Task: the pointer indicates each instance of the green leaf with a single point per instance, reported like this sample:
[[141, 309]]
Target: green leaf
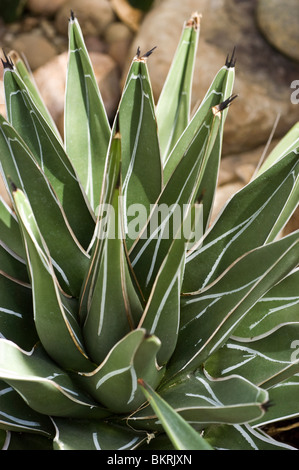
[[287, 144], [283, 400], [32, 126], [19, 166], [242, 437], [181, 434], [278, 306], [28, 79], [112, 311], [13, 265], [44, 386], [92, 435], [55, 314], [173, 107], [219, 91], [10, 230], [16, 312], [132, 357], [210, 317], [87, 130], [150, 249], [265, 361], [141, 171], [247, 221], [16, 415], [26, 441], [202, 400]]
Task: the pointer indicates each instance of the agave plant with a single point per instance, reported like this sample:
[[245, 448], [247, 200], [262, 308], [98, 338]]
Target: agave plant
[[128, 320]]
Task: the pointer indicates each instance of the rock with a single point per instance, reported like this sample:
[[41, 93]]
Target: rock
[[44, 7], [127, 14], [279, 22], [94, 16], [263, 75], [50, 80], [36, 48], [118, 37]]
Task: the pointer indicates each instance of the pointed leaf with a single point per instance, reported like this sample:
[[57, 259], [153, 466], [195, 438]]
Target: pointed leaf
[[16, 415], [210, 317], [54, 312], [18, 166], [16, 312], [181, 434], [9, 230], [110, 314], [27, 77], [13, 265], [246, 222], [149, 251], [87, 129], [242, 437], [132, 357], [173, 108], [141, 171], [45, 387], [278, 306], [49, 153], [265, 361], [92, 435]]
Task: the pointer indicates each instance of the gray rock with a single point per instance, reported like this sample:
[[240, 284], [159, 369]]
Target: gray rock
[[263, 75], [279, 22]]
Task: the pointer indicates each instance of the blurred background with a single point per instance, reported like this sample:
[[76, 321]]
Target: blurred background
[[264, 32]]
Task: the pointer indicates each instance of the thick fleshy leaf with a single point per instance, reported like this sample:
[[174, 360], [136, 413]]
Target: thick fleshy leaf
[[27, 77], [13, 265], [87, 130], [283, 400], [173, 107], [278, 306], [210, 317], [19, 166], [161, 316], [55, 314], [16, 312], [219, 91], [221, 88], [181, 434], [10, 231], [16, 415], [32, 126], [149, 251], [26, 441], [246, 222], [141, 169], [202, 400], [242, 437], [132, 357], [112, 311], [94, 435], [45, 387], [265, 361], [286, 145]]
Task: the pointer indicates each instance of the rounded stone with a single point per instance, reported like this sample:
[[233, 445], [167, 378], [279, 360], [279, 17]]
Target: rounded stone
[[44, 7], [94, 16], [279, 23], [37, 49]]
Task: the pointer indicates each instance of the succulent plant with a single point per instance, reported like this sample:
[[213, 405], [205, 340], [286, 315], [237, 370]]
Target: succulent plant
[[129, 320]]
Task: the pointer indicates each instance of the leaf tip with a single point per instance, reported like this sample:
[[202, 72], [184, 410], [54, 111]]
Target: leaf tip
[[7, 62], [194, 21], [231, 62], [142, 58], [221, 106], [72, 16]]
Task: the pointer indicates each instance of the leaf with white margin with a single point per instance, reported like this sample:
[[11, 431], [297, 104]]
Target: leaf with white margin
[[44, 386], [94, 435], [16, 415], [242, 437]]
